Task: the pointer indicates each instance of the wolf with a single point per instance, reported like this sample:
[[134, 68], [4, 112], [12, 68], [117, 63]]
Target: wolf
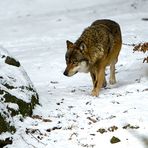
[[98, 47]]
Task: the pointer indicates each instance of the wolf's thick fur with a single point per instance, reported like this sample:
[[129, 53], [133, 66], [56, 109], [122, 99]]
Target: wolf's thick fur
[[97, 47]]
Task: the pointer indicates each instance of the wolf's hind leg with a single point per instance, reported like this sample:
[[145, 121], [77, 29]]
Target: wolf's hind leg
[[112, 79], [105, 82]]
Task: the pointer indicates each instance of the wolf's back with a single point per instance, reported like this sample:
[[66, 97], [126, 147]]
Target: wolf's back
[[112, 26]]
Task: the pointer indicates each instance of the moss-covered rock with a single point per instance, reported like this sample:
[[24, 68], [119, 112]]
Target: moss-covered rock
[[18, 96]]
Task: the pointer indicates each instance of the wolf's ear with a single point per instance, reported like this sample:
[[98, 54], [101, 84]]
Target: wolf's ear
[[82, 46], [69, 45]]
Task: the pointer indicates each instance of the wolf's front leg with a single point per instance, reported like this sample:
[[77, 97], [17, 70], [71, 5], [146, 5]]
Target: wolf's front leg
[[93, 76], [100, 75]]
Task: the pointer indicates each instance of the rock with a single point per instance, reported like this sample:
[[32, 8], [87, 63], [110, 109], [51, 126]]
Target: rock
[[11, 61], [102, 130], [18, 96], [5, 142], [114, 140]]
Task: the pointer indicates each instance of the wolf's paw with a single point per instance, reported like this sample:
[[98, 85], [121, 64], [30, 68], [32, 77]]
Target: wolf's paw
[[112, 81], [104, 84], [95, 93]]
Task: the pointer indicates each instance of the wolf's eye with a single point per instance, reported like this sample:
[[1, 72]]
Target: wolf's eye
[[75, 62]]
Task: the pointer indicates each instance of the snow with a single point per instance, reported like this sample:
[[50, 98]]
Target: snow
[[35, 32]]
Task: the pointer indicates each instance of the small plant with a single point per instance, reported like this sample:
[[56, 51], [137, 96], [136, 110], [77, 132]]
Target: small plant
[[143, 47]]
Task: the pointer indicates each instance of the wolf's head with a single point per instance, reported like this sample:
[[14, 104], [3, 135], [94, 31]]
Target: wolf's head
[[75, 59]]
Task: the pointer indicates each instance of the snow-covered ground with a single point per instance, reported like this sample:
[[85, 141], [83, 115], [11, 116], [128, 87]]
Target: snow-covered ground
[[35, 32]]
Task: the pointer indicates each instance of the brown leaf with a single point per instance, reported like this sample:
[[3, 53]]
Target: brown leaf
[[47, 120], [145, 89], [141, 47], [102, 130], [112, 128], [37, 117]]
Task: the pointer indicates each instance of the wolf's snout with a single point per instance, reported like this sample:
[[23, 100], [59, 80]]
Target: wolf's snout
[[65, 73]]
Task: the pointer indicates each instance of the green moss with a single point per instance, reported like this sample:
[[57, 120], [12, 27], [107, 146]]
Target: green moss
[[1, 92], [8, 86], [5, 126], [12, 111], [24, 108]]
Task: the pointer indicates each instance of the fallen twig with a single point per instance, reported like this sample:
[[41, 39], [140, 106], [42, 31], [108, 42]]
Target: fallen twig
[[41, 118], [27, 142], [92, 119], [127, 44], [32, 131], [73, 134], [37, 139]]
